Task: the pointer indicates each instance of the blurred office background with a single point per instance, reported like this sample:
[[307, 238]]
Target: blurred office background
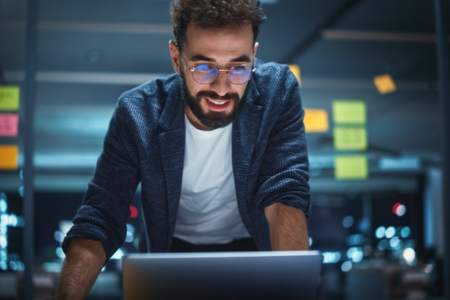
[[369, 84]]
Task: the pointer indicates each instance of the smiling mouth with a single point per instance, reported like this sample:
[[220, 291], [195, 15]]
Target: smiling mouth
[[217, 105], [217, 102]]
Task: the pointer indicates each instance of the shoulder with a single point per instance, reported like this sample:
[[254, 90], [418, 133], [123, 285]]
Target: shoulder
[[148, 99], [274, 82], [271, 73]]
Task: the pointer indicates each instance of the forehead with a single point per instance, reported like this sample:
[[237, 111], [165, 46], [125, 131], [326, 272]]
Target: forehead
[[220, 44]]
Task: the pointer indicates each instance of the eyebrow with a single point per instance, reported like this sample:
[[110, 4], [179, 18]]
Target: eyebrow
[[200, 57]]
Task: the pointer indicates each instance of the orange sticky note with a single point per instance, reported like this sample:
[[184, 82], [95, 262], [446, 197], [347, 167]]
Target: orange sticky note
[[385, 84], [316, 120], [9, 124], [9, 157]]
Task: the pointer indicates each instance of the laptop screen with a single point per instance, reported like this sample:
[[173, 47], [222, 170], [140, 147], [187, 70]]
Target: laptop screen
[[222, 275]]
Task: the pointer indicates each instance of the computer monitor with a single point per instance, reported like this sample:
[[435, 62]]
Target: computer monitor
[[273, 275]]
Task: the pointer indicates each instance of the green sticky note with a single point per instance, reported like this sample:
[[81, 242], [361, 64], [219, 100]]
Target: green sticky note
[[9, 98], [349, 112], [350, 138], [348, 167]]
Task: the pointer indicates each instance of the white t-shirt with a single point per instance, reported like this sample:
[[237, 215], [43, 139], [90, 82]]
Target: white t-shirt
[[208, 211]]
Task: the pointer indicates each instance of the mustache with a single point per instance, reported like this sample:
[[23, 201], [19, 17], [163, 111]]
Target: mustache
[[211, 94]]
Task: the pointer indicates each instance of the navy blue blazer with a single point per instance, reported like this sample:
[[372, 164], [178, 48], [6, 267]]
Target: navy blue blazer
[[145, 144]]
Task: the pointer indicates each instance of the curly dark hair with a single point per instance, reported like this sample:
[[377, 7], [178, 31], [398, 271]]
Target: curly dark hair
[[215, 14]]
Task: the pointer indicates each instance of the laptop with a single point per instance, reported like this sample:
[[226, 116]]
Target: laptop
[[271, 275]]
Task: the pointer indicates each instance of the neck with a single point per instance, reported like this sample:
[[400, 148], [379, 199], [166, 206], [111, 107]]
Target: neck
[[194, 120]]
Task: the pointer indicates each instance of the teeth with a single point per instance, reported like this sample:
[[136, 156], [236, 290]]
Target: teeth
[[218, 102]]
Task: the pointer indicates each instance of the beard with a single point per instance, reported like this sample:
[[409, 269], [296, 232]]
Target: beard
[[211, 119]]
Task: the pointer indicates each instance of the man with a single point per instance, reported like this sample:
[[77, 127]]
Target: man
[[219, 149]]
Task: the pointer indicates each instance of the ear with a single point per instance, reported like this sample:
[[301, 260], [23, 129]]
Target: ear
[[174, 56], [255, 48]]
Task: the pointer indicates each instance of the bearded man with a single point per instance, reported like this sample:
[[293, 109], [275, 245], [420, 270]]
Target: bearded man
[[218, 147]]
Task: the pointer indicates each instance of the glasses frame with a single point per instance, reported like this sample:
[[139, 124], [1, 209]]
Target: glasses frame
[[220, 70]]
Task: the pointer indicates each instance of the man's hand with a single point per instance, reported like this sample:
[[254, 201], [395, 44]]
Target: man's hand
[[288, 228], [84, 261]]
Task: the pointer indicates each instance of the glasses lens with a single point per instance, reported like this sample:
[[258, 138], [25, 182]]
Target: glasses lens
[[204, 73], [240, 74]]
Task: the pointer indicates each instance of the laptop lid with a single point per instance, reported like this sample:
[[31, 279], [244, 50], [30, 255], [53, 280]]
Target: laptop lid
[[268, 275]]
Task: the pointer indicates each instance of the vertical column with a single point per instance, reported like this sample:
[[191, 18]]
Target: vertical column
[[28, 144], [443, 77]]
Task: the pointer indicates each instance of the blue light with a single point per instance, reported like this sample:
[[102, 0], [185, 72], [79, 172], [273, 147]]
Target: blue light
[[64, 226], [3, 205], [58, 236], [118, 254], [347, 222], [3, 242], [380, 232], [60, 253], [21, 191], [20, 265], [346, 266], [16, 265], [3, 229], [8, 220], [130, 234], [390, 232], [395, 243], [405, 232], [356, 254], [331, 257], [12, 220]]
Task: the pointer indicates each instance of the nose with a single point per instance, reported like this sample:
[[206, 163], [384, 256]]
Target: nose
[[221, 85]]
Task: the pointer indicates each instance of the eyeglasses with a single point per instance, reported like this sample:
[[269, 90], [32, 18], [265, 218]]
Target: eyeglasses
[[207, 73]]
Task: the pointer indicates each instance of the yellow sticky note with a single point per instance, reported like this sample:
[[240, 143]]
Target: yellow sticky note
[[9, 98], [316, 120], [349, 112], [348, 167], [385, 84], [296, 71], [9, 157], [350, 138]]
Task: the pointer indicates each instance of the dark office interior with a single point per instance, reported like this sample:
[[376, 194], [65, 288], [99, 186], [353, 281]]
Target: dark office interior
[[374, 85]]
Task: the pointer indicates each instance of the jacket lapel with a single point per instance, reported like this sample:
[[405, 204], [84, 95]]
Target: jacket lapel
[[245, 132], [172, 146]]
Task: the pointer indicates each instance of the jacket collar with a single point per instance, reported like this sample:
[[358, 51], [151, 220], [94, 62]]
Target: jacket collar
[[172, 114]]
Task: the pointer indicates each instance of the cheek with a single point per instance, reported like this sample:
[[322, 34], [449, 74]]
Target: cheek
[[192, 87]]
